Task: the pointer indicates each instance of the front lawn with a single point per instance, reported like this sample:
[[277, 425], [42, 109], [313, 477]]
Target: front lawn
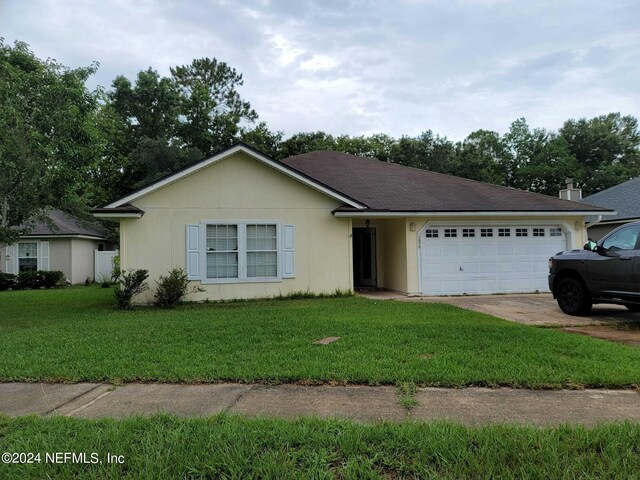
[[77, 335], [233, 447]]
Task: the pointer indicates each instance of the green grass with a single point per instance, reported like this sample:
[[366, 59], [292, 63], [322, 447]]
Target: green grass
[[77, 335], [232, 447]]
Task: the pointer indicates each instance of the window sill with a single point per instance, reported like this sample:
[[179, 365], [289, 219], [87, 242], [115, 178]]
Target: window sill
[[223, 281]]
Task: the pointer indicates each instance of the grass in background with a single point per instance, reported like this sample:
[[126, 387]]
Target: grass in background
[[76, 334], [234, 447]]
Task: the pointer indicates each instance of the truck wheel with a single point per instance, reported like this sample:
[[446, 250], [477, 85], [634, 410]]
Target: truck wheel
[[633, 308], [573, 298]]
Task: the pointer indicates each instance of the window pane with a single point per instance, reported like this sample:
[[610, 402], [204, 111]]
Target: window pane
[[261, 237], [222, 265], [27, 264], [222, 237], [28, 250], [262, 264], [624, 239]]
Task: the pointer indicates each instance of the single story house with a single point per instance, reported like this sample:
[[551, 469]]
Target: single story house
[[623, 198], [244, 225], [65, 243]]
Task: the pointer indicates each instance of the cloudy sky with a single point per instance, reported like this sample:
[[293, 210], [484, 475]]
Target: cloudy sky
[[359, 67]]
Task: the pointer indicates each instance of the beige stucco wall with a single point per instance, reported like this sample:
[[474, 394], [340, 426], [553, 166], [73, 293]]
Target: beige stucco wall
[[393, 254], [240, 188], [573, 227], [82, 259], [60, 256]]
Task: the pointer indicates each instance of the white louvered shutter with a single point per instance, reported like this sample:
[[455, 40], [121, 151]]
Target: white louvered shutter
[[288, 251]]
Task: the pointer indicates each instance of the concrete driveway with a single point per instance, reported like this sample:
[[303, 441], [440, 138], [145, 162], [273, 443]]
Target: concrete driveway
[[611, 322]]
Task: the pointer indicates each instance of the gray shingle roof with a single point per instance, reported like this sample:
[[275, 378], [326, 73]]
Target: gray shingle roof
[[65, 224], [623, 198], [390, 187]]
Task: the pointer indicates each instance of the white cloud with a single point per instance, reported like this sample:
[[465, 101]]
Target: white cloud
[[354, 67], [318, 63]]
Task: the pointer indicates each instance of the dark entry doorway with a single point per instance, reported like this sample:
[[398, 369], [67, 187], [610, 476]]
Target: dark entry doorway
[[364, 257]]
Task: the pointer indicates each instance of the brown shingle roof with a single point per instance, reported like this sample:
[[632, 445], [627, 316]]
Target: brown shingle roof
[[390, 187], [65, 224]]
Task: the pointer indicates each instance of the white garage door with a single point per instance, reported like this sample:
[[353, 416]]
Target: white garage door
[[480, 259]]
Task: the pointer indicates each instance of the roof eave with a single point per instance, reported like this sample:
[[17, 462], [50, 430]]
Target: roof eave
[[426, 213], [116, 215]]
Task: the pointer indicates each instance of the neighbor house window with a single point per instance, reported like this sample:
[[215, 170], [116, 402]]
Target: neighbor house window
[[504, 232], [538, 232], [431, 233], [522, 232], [486, 232], [27, 256], [555, 232], [468, 232], [222, 251], [450, 232]]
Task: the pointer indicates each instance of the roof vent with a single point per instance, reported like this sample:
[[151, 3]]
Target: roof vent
[[571, 193]]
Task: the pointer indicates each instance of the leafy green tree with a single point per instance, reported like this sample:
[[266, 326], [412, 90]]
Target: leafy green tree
[[606, 147], [210, 104], [305, 142], [479, 157], [49, 137], [140, 121], [428, 151], [537, 160], [379, 146], [263, 139], [149, 108]]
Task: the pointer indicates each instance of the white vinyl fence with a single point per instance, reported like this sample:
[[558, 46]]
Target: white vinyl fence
[[102, 264]]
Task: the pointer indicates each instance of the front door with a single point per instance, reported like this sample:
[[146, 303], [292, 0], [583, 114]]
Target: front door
[[364, 257]]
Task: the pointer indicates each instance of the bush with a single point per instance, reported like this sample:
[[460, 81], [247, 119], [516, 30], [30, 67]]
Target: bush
[[115, 269], [172, 288], [40, 279], [132, 283], [105, 281], [7, 281]]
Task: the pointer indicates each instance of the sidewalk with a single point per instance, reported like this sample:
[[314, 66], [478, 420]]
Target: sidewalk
[[470, 406]]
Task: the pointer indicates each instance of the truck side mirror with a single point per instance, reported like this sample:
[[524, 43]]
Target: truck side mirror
[[591, 246]]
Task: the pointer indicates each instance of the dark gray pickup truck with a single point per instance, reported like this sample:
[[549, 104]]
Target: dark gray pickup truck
[[606, 272]]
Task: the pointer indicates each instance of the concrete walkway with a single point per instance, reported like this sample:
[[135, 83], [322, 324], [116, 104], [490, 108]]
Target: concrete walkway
[[470, 406]]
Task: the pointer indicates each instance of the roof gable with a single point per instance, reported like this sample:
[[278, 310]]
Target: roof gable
[[202, 164], [386, 186]]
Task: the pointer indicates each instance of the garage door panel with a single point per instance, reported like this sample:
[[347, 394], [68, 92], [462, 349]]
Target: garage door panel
[[470, 267], [469, 250], [488, 248], [504, 267], [484, 265], [452, 250], [488, 267]]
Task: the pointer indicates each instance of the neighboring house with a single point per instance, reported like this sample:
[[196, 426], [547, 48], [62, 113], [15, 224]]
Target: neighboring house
[[623, 198], [244, 225], [64, 243]]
